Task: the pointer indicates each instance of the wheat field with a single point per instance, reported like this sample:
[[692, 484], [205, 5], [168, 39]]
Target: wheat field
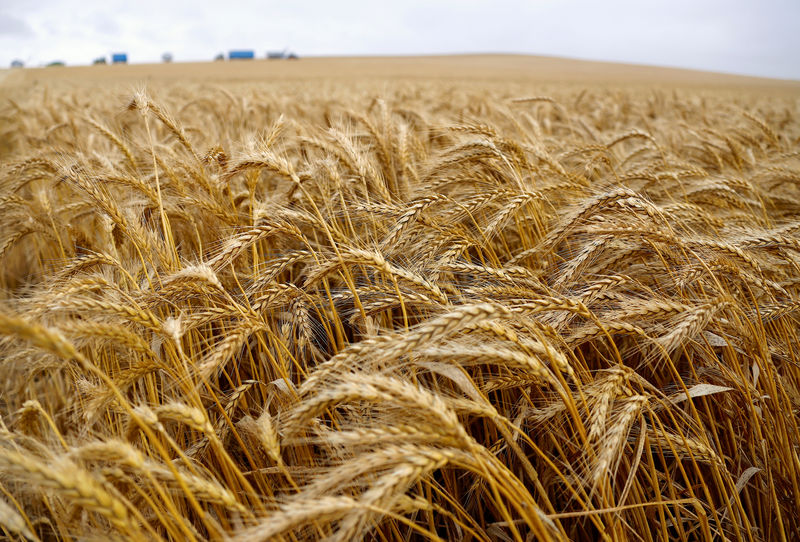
[[422, 309]]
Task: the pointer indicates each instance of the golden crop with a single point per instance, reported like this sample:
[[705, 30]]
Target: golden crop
[[413, 311]]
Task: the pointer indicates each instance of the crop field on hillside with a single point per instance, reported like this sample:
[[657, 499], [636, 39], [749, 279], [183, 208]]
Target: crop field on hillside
[[421, 310]]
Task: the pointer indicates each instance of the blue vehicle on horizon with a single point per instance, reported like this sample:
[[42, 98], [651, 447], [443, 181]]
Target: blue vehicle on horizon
[[241, 54], [119, 58]]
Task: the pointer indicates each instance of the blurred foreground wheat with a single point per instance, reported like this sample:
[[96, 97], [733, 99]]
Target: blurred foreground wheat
[[429, 312]]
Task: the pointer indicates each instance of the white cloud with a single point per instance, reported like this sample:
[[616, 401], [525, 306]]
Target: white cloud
[[738, 36], [14, 27]]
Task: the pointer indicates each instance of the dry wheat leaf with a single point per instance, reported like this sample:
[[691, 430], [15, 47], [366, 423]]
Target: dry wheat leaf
[[698, 390]]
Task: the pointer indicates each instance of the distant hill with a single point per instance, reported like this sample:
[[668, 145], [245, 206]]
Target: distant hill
[[521, 68]]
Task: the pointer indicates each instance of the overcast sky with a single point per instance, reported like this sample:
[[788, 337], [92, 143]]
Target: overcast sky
[[749, 37]]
